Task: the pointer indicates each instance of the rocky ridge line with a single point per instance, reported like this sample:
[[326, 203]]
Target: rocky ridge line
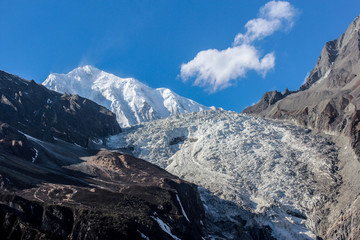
[[40, 112]]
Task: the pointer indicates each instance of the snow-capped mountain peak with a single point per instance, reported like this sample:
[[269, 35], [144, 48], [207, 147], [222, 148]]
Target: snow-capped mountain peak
[[132, 101]]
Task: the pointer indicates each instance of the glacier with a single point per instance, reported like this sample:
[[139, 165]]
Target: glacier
[[264, 172], [132, 101]]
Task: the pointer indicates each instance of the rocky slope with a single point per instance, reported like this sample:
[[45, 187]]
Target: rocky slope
[[93, 195], [132, 101], [55, 189], [40, 112], [329, 102]]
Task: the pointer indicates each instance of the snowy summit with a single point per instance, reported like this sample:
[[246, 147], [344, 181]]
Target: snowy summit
[[132, 101]]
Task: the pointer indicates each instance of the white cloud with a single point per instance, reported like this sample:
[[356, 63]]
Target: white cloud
[[217, 69], [273, 16], [278, 10]]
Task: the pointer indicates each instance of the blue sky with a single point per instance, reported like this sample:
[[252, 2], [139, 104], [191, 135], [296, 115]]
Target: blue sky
[[150, 40]]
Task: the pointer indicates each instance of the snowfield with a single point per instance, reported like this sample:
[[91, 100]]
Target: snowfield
[[265, 172]]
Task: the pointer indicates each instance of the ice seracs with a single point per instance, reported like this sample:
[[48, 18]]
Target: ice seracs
[[132, 101], [275, 174]]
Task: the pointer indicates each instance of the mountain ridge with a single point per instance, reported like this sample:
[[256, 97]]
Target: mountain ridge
[[43, 113]]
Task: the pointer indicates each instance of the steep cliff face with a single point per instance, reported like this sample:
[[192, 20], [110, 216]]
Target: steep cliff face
[[329, 102], [43, 113]]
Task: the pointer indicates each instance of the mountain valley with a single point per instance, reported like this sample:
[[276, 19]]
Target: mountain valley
[[111, 158]]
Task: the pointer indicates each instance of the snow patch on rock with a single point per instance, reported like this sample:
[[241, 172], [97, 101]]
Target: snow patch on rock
[[36, 155], [165, 227], [182, 209], [143, 235]]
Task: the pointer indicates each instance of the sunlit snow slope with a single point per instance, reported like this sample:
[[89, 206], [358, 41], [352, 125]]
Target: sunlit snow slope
[[132, 101], [278, 175]]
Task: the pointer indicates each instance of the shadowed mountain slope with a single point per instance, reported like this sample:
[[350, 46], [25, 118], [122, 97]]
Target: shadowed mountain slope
[[40, 112], [52, 188]]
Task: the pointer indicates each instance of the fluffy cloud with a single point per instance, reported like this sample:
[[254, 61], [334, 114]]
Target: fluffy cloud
[[273, 16], [217, 69]]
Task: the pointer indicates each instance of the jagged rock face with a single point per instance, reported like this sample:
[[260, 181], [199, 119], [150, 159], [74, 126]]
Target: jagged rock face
[[329, 101], [74, 193], [268, 99], [339, 60], [327, 57], [43, 113]]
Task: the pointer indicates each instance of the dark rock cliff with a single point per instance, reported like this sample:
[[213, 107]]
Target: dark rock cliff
[[40, 112]]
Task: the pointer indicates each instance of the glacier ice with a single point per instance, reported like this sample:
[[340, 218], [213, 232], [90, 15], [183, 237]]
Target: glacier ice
[[274, 174]]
